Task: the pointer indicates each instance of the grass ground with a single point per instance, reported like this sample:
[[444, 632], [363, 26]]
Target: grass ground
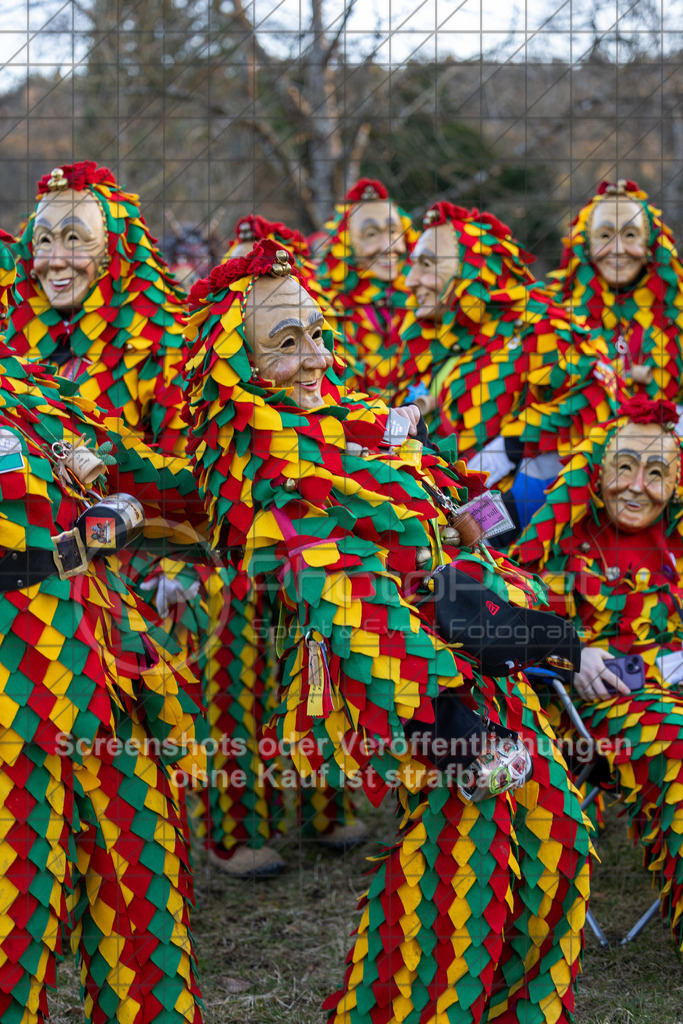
[[270, 952]]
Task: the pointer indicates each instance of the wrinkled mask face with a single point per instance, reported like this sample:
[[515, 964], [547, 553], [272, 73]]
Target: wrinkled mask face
[[284, 327], [639, 472], [377, 239], [69, 243], [434, 268], [618, 241]]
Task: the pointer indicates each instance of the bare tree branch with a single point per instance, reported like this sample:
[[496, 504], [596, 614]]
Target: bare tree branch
[[332, 48]]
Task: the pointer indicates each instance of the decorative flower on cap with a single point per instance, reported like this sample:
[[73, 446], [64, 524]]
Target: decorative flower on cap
[[620, 188], [266, 257], [641, 409], [76, 176], [254, 228], [365, 190]]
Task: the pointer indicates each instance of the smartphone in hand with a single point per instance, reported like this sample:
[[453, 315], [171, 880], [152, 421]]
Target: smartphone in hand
[[631, 670]]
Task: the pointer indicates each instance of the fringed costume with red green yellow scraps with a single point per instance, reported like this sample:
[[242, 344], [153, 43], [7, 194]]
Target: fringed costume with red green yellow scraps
[[624, 593], [478, 908], [504, 359], [93, 716], [240, 677], [124, 346], [7, 274], [641, 324], [369, 311]]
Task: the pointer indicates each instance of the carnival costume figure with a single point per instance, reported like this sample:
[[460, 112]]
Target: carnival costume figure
[[362, 274], [620, 270], [490, 359], [94, 300], [609, 545], [476, 911], [237, 820], [92, 717]]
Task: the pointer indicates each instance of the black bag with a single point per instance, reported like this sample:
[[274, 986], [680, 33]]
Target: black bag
[[501, 637]]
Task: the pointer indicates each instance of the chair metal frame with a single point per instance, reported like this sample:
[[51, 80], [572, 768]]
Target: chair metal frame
[[558, 686]]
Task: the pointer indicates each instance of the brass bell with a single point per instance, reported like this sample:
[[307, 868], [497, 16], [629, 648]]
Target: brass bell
[[282, 266], [57, 179], [423, 557], [450, 536], [290, 485]]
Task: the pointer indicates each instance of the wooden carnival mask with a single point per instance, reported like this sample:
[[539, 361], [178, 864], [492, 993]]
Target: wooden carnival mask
[[69, 246], [434, 267], [618, 240], [283, 325], [376, 237], [638, 475]]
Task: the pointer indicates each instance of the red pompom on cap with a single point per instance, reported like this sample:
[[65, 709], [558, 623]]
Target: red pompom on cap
[[366, 190], [76, 176], [254, 227], [617, 188], [641, 409], [448, 213], [266, 257]]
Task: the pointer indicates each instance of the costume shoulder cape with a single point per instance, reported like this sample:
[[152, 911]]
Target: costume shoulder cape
[[75, 654]]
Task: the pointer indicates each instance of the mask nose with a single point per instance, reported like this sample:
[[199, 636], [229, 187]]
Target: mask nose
[[637, 484], [411, 278], [58, 253], [313, 356]]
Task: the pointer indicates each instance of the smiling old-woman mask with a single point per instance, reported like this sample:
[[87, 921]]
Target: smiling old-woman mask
[[283, 325], [638, 475], [377, 238], [618, 240], [69, 246]]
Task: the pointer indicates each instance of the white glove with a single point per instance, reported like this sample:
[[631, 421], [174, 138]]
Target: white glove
[[493, 460], [169, 591]]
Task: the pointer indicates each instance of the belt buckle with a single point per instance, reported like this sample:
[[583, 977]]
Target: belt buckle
[[70, 556]]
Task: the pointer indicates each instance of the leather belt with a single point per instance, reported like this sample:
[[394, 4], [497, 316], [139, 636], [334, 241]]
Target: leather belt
[[19, 569]]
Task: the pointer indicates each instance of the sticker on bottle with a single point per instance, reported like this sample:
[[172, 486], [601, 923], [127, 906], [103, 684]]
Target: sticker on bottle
[[488, 510]]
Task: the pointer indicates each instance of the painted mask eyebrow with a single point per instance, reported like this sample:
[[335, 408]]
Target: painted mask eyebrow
[[64, 222], [371, 222], [292, 321]]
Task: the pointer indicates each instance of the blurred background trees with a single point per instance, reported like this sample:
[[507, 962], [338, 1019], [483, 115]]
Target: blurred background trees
[[211, 108]]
